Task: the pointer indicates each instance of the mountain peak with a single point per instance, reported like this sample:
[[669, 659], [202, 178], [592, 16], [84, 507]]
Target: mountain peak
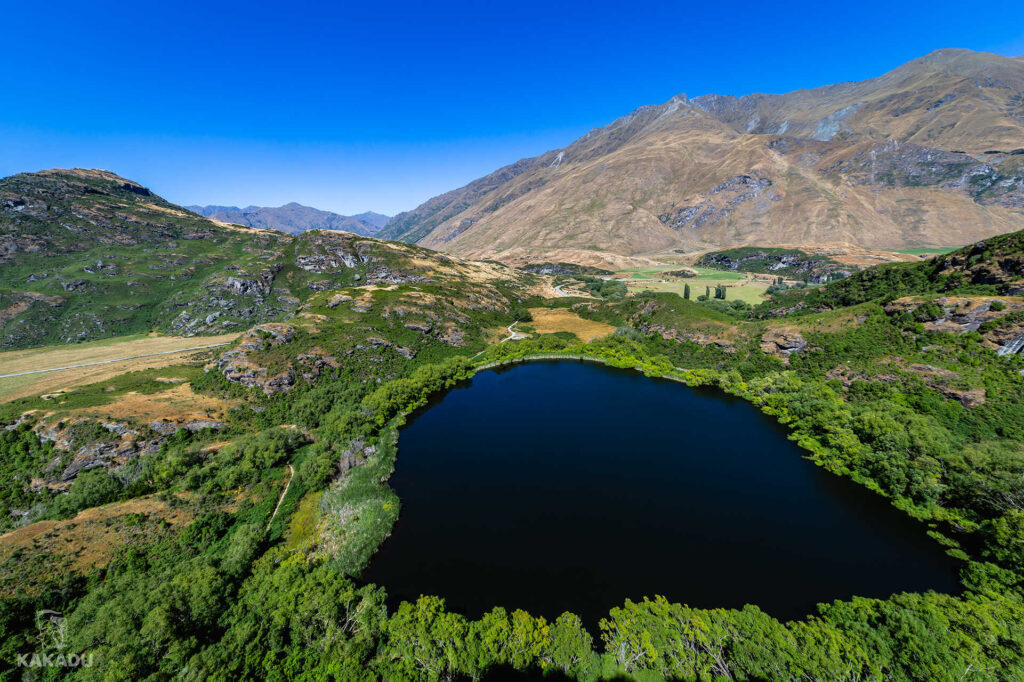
[[964, 63], [926, 153], [292, 218]]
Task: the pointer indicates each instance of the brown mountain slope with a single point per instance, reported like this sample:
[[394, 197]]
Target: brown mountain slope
[[929, 154]]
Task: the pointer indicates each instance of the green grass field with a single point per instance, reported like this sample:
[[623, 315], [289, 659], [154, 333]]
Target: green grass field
[[647, 271], [938, 250], [655, 272], [750, 292], [718, 275]]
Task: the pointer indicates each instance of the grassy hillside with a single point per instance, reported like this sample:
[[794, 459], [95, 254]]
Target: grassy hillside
[[88, 255]]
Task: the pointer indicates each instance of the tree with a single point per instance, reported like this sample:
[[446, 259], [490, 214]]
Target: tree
[[487, 644], [424, 641], [528, 639], [571, 645], [626, 638], [686, 291]]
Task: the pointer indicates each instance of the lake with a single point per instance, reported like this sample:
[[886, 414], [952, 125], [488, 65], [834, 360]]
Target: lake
[[569, 486]]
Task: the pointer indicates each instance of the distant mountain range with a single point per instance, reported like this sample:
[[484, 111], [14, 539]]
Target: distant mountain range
[[294, 218], [929, 154]]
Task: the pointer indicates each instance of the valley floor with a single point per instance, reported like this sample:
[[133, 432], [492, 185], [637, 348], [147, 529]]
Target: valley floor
[[58, 368]]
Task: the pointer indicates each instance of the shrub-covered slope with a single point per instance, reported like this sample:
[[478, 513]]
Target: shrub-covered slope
[[86, 254]]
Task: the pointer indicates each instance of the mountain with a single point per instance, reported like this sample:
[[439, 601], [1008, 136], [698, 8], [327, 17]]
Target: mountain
[[293, 218], [929, 154], [378, 220], [86, 254]]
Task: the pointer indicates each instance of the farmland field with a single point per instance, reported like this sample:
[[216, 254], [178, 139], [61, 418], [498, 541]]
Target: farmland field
[[937, 251], [119, 355], [750, 292]]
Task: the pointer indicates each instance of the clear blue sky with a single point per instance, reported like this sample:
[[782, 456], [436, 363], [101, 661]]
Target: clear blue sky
[[380, 105]]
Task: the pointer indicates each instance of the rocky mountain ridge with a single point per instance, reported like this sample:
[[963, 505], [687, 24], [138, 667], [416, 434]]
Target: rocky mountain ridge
[[294, 218], [929, 154]]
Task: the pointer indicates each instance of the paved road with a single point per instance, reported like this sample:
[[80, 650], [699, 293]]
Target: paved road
[[107, 362], [559, 290]]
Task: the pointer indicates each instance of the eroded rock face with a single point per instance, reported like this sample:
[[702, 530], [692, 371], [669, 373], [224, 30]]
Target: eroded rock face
[[167, 427], [962, 314], [337, 300], [332, 252], [270, 334], [720, 201], [1011, 341], [257, 286], [969, 398], [931, 371], [700, 338], [121, 444], [242, 297], [315, 363], [339, 253], [453, 336], [355, 454], [333, 261], [896, 164], [782, 343], [239, 366], [382, 275], [939, 379]]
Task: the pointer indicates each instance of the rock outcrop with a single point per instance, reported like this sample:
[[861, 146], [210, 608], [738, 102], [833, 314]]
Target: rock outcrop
[[781, 343]]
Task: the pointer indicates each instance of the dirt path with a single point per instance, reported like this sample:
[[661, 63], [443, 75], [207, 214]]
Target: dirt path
[[512, 334], [291, 475]]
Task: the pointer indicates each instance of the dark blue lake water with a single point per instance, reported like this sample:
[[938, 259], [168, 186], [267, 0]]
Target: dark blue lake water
[[556, 486]]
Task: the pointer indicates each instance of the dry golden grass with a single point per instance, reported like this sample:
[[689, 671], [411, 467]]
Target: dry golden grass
[[89, 540], [547, 321], [166, 209], [12, 362], [233, 226], [178, 403], [606, 260]]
